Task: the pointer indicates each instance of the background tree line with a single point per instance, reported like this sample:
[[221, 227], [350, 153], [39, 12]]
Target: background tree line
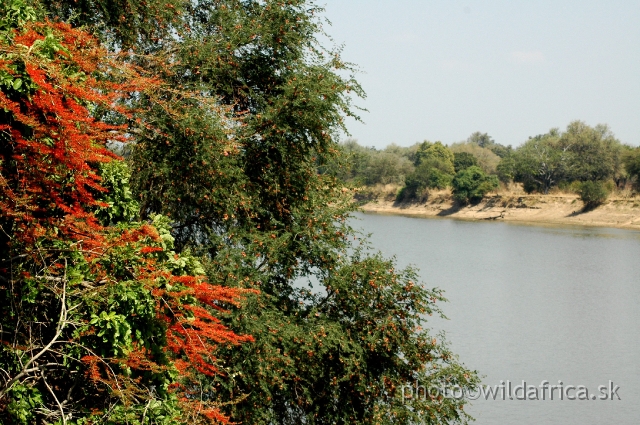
[[587, 160]]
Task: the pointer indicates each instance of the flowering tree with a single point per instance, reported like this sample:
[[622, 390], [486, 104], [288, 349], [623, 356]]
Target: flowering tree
[[101, 321], [234, 106]]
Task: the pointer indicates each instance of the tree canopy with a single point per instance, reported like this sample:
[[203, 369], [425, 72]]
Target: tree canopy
[[101, 323], [581, 153], [226, 108]]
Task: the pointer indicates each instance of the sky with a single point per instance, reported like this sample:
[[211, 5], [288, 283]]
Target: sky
[[443, 69]]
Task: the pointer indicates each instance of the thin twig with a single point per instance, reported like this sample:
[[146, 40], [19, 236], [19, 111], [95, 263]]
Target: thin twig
[[64, 419], [60, 327]]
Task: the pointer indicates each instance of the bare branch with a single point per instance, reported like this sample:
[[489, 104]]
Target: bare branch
[[62, 415], [62, 321]]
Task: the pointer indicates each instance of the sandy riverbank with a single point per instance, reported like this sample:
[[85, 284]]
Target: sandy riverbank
[[563, 209]]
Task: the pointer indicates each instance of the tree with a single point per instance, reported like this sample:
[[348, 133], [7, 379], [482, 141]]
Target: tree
[[434, 169], [386, 168], [595, 152], [241, 187], [506, 169], [581, 153], [122, 23], [408, 152], [370, 166], [540, 163], [471, 185], [501, 150], [435, 155], [100, 324], [481, 139], [487, 160], [463, 160], [424, 177], [631, 161]]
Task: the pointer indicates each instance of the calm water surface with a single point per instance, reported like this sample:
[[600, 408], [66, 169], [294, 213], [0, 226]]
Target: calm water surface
[[532, 303]]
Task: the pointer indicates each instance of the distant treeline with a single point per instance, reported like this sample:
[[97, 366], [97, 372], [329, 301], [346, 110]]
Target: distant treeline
[[587, 160]]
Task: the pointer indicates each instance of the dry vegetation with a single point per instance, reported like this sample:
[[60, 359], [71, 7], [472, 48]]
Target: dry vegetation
[[509, 203]]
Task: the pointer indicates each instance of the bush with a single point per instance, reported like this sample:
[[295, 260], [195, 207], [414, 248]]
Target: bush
[[437, 179], [463, 160], [529, 186], [425, 177], [472, 184], [402, 194], [592, 193]]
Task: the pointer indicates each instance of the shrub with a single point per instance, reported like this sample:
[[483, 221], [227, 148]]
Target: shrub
[[592, 193], [529, 186], [425, 176], [472, 184], [463, 160]]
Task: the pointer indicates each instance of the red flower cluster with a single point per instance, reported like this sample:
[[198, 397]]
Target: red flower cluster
[[50, 146]]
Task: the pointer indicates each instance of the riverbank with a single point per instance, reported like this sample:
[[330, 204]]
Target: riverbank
[[562, 209]]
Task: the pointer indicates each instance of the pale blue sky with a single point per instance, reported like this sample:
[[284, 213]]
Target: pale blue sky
[[440, 70]]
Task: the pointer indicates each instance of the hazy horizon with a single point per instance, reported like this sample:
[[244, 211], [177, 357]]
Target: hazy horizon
[[443, 70]]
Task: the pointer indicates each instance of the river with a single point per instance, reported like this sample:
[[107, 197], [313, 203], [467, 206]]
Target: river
[[532, 303]]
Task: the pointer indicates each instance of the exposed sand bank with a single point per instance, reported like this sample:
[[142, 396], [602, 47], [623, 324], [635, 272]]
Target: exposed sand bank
[[563, 209]]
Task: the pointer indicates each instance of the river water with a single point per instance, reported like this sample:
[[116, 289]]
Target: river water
[[532, 303]]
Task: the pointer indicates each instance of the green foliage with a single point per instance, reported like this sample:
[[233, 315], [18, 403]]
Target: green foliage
[[472, 184], [437, 155], [540, 163], [408, 152], [581, 153], [425, 176], [481, 139], [485, 141], [369, 166], [361, 165], [631, 161], [121, 23], [237, 179], [15, 13], [434, 170], [116, 319], [354, 341], [487, 160], [100, 328], [595, 154], [25, 399], [290, 99], [501, 150], [386, 168], [592, 193], [13, 78], [463, 160], [121, 206], [92, 317], [506, 169]]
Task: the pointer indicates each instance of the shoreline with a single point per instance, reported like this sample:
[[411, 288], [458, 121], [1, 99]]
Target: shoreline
[[556, 209]]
